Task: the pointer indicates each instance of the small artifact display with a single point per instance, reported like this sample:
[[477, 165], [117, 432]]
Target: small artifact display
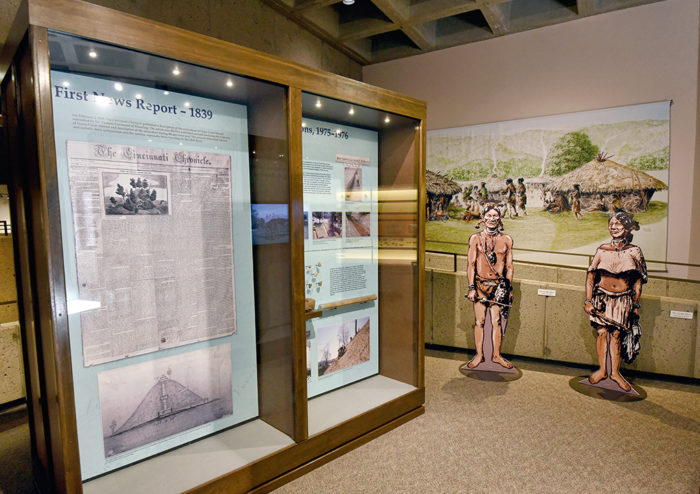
[[613, 290], [490, 276]]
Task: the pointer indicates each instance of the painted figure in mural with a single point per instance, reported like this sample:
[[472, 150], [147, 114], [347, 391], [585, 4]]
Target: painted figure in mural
[[522, 196], [510, 198], [490, 277], [483, 193], [613, 290], [576, 202]]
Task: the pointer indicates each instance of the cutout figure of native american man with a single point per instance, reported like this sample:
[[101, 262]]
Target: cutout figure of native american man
[[613, 290], [490, 278]]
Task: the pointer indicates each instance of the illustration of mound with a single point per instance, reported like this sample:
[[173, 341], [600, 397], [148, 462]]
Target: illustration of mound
[[168, 408], [357, 351]]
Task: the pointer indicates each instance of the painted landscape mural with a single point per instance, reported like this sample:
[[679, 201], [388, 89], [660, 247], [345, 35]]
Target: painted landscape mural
[[556, 179]]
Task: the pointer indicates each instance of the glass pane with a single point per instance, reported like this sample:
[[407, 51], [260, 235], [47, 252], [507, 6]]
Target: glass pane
[[360, 204], [173, 190]]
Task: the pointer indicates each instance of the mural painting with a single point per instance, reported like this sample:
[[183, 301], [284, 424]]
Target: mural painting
[[560, 176]]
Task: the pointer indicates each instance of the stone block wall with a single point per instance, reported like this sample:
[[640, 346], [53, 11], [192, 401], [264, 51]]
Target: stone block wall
[[556, 328]]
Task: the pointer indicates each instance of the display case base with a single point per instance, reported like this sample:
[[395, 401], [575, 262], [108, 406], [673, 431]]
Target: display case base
[[336, 407], [195, 464]]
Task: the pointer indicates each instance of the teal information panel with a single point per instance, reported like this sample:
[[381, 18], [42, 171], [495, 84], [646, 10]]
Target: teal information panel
[[155, 213], [340, 210]]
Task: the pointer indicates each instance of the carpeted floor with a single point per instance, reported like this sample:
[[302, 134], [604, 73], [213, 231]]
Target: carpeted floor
[[535, 434]]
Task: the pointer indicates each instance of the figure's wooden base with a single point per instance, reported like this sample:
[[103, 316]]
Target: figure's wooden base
[[607, 390], [487, 370]]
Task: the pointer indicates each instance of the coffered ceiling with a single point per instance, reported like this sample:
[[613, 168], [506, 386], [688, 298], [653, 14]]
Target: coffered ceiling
[[371, 31]]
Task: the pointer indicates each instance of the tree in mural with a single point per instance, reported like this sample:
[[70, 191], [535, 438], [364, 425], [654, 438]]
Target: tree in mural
[[571, 151]]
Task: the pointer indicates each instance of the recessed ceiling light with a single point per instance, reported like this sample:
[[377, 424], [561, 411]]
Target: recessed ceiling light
[[229, 83], [118, 86], [387, 119], [187, 104], [166, 92], [351, 111], [176, 71], [92, 53], [348, 2], [303, 124], [66, 83], [318, 103], [138, 96]]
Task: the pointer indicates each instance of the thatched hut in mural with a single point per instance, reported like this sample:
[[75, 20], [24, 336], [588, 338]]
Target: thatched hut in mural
[[607, 186], [439, 190]]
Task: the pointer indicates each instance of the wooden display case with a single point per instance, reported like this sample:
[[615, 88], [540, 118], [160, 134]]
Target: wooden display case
[[283, 433]]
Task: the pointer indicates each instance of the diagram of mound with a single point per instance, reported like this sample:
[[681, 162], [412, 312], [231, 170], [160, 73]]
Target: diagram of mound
[[165, 398]]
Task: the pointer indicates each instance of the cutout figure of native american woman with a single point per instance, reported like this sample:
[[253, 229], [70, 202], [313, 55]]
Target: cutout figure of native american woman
[[613, 290]]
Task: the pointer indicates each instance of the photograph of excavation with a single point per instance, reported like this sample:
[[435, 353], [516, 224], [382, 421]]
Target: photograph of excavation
[[343, 345]]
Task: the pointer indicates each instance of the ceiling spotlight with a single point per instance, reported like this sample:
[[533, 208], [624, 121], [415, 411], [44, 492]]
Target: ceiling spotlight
[[187, 104], [166, 92], [303, 124], [229, 83], [318, 103], [387, 119], [92, 53], [118, 86], [66, 84], [338, 131], [351, 111], [138, 96], [176, 71], [348, 2]]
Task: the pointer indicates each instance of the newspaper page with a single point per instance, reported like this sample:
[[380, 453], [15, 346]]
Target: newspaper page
[[153, 240]]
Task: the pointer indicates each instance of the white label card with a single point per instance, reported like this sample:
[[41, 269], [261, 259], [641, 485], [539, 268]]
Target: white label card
[[681, 314]]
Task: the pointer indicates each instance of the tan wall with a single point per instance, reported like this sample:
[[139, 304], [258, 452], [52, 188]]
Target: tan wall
[[556, 328], [245, 22], [637, 55]]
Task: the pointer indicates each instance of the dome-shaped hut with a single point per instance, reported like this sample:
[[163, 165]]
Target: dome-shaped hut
[[606, 185], [439, 190]]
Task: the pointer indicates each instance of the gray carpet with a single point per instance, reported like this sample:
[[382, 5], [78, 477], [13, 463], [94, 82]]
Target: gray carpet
[[535, 434]]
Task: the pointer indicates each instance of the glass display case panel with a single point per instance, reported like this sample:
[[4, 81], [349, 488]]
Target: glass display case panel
[[165, 233], [360, 244]]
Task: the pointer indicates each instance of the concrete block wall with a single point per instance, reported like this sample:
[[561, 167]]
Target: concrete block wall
[[556, 328]]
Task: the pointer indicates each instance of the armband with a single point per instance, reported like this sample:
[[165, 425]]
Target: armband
[[587, 301], [635, 306]]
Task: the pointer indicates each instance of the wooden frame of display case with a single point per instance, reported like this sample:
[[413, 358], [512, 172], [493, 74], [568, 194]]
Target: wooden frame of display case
[[27, 114]]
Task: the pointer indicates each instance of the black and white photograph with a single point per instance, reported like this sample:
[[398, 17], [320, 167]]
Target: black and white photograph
[[342, 345], [327, 224], [135, 193], [357, 223], [306, 225], [144, 403], [353, 182]]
